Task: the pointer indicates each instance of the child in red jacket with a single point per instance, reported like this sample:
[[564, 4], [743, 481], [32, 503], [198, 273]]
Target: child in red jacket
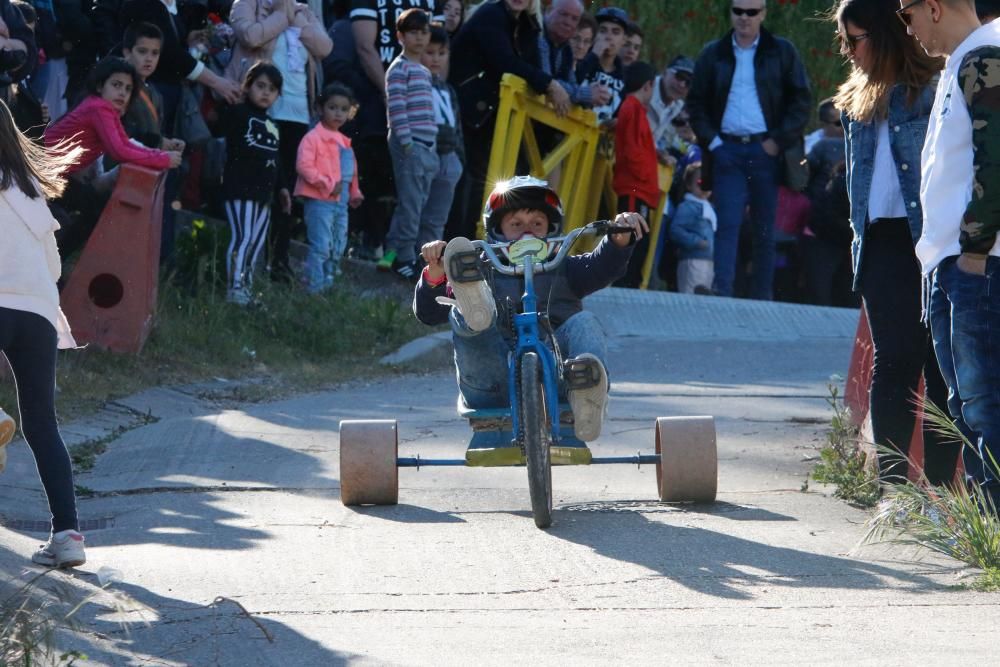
[[636, 178], [96, 127]]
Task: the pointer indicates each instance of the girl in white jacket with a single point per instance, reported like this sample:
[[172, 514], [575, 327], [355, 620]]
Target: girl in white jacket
[[32, 326]]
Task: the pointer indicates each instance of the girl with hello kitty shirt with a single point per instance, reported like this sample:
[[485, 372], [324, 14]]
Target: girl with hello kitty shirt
[[250, 177]]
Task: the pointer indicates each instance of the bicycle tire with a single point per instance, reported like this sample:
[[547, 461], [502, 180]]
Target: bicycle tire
[[535, 428]]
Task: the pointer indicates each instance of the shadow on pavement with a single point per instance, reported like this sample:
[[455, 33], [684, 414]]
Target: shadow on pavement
[[206, 491], [721, 565], [406, 514], [720, 508], [111, 628]]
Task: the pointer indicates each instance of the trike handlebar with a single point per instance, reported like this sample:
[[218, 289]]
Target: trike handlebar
[[565, 243]]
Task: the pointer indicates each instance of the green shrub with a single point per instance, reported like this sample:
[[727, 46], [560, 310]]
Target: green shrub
[[843, 463]]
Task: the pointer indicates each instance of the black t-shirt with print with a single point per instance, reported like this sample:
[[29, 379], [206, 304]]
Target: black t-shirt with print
[[385, 13], [589, 72], [251, 170]]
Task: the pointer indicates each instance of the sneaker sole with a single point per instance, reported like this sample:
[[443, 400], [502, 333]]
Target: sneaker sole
[[60, 565], [475, 300], [589, 406]]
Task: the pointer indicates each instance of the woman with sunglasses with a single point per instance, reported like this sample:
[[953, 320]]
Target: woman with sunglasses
[[886, 102]]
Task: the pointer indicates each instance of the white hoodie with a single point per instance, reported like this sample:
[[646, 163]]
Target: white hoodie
[[29, 260], [946, 161]]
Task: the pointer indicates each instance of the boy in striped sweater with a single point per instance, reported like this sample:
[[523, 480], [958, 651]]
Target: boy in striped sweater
[[412, 142]]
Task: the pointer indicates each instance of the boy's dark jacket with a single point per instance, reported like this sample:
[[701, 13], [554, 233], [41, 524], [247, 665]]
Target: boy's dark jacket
[[449, 139], [559, 293]]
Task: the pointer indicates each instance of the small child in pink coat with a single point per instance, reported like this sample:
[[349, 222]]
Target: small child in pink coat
[[328, 182]]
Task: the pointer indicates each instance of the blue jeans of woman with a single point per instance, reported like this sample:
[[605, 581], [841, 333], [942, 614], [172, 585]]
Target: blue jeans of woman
[[481, 358], [744, 174], [965, 321], [326, 227]]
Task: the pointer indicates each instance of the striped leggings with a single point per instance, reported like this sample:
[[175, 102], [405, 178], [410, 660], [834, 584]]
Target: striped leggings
[[248, 222]]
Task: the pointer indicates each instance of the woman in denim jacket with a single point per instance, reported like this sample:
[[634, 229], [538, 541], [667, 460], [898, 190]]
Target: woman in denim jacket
[[886, 102]]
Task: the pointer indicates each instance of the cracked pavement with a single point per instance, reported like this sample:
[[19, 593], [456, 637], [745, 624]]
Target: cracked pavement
[[225, 529]]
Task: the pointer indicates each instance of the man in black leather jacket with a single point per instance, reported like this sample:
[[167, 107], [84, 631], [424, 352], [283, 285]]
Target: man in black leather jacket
[[749, 102]]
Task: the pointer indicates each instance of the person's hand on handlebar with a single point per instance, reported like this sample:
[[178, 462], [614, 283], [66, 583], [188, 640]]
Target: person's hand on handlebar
[[433, 253], [625, 226]]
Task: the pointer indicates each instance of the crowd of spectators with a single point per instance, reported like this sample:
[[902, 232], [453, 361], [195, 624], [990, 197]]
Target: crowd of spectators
[[419, 163]]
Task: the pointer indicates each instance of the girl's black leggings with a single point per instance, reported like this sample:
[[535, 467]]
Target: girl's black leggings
[[29, 343]]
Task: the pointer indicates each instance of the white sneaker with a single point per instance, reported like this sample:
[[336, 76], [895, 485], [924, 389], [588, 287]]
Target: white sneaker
[[7, 428], [589, 400], [64, 549], [473, 298]]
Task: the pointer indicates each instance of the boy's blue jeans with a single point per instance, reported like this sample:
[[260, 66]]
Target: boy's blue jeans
[[965, 324], [481, 358], [414, 171], [742, 174], [326, 227]]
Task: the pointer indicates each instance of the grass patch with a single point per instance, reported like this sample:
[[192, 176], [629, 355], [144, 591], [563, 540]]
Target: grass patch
[[843, 462], [958, 520], [84, 455], [289, 342], [33, 613], [988, 582], [29, 619]]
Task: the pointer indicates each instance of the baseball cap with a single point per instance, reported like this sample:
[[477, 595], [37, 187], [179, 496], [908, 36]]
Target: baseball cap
[[613, 15], [682, 64]]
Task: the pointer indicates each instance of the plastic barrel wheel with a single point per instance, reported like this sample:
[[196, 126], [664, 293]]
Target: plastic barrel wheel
[[368, 473], [535, 424], [689, 467]]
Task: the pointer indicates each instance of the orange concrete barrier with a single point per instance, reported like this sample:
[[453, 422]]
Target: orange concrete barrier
[[110, 297], [857, 392]]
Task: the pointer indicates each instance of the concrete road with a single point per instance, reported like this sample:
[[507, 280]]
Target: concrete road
[[224, 524]]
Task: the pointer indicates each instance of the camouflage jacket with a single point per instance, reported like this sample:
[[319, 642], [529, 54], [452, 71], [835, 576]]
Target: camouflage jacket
[[979, 81]]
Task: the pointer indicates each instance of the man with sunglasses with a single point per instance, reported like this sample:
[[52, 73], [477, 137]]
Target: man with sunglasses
[[749, 101], [669, 92], [959, 247]]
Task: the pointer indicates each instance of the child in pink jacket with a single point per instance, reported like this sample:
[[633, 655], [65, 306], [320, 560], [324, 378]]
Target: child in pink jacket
[[328, 182]]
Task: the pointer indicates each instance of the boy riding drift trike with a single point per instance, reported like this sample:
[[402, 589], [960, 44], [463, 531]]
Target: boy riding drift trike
[[523, 344]]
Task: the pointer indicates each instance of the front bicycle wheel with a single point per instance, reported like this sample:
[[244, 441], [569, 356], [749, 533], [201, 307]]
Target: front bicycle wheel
[[535, 427]]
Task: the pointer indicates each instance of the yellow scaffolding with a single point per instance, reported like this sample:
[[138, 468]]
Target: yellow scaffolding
[[584, 158]]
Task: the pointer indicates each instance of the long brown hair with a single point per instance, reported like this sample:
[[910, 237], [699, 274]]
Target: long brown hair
[[896, 58], [36, 170]]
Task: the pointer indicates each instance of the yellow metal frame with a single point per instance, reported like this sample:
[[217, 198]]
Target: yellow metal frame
[[584, 158]]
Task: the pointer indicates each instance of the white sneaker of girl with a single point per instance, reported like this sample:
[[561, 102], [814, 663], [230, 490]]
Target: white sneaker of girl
[[64, 549]]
